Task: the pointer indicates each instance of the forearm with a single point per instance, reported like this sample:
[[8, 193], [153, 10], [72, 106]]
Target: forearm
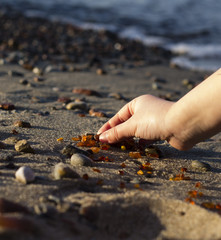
[[196, 116]]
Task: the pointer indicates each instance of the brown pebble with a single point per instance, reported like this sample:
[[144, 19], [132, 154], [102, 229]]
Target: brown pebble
[[23, 146], [38, 79], [22, 124], [87, 92], [101, 71]]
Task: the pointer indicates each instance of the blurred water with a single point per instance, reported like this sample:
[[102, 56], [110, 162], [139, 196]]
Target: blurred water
[[190, 28]]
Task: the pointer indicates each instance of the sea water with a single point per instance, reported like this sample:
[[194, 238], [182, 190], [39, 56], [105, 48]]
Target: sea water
[[189, 28]]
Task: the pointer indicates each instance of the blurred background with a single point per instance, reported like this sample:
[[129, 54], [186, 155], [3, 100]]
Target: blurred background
[[191, 29]]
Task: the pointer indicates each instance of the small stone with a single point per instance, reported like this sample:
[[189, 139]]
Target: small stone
[[22, 124], [23, 146], [200, 166], [37, 71], [25, 175], [87, 92], [15, 74], [62, 170], [23, 81], [117, 96], [78, 159], [100, 71], [96, 113], [38, 79], [11, 140], [77, 105], [69, 150], [155, 86]]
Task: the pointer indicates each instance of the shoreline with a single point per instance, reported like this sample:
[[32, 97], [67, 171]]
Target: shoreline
[[108, 199]]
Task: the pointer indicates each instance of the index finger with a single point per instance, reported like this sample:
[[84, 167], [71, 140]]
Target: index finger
[[123, 115]]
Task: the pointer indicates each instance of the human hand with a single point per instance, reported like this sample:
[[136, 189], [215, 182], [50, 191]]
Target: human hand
[[144, 117]]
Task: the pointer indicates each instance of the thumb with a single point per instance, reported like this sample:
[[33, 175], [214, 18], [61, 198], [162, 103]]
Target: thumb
[[119, 132]]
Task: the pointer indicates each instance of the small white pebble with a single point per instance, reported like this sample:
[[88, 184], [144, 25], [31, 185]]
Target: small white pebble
[[25, 175]]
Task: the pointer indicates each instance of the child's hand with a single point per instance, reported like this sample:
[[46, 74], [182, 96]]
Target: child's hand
[[143, 117]]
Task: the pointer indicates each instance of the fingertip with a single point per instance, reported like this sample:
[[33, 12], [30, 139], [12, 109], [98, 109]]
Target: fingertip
[[104, 137]]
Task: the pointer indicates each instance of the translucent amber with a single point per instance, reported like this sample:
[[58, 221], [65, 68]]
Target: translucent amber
[[85, 177], [60, 139], [140, 172], [96, 170], [76, 138], [95, 149], [208, 205], [183, 169], [198, 185], [104, 146], [135, 154], [123, 148], [123, 165]]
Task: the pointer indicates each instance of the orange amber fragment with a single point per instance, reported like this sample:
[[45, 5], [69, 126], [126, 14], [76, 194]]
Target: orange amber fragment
[[76, 138], [179, 177], [218, 206], [135, 154], [193, 194], [190, 201], [146, 166], [198, 185], [96, 170], [60, 139], [95, 149], [208, 205], [183, 169], [140, 172]]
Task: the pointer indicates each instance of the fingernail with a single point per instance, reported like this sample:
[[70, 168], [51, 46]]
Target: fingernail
[[104, 137], [99, 132]]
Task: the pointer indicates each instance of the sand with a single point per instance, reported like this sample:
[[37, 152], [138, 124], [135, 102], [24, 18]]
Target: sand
[[98, 208]]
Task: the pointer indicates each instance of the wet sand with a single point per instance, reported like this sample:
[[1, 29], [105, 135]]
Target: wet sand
[[114, 202]]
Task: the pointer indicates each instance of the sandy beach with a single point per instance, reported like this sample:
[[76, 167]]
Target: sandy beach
[[110, 199]]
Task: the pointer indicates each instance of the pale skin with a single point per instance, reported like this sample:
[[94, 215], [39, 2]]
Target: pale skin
[[192, 119]]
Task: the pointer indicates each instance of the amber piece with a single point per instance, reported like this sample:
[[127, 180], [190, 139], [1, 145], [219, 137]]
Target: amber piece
[[60, 139], [96, 170], [198, 185], [123, 148], [183, 169], [122, 185], [179, 177], [123, 165], [152, 152], [121, 172], [100, 182], [200, 194], [135, 154], [208, 205], [64, 100], [95, 149], [146, 166], [193, 194], [85, 177], [81, 115], [140, 172], [96, 113], [96, 137], [218, 206], [76, 138], [190, 201], [104, 146]]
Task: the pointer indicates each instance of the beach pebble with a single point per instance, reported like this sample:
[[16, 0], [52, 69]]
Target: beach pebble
[[25, 175], [37, 71], [11, 140], [100, 71], [38, 79], [116, 95], [15, 74], [22, 124], [23, 146], [78, 159], [96, 113], [155, 86], [69, 150], [23, 81], [62, 170], [200, 166], [88, 92], [77, 105]]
